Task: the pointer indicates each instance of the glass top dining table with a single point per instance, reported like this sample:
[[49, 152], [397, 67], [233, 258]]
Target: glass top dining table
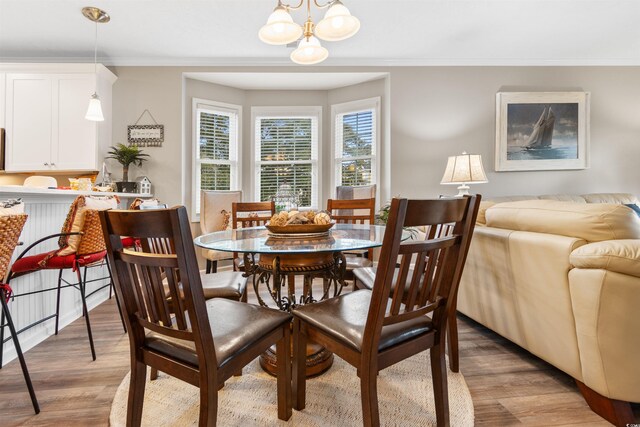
[[258, 240]]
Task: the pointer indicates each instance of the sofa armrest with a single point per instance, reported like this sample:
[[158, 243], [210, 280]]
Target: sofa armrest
[[620, 256]]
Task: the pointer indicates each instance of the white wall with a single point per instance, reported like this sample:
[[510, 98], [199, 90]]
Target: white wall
[[435, 112], [441, 111]]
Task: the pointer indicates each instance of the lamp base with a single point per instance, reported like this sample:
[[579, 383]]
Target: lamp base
[[463, 190]]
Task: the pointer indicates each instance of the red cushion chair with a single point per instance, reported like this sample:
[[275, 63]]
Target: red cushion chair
[[81, 246]]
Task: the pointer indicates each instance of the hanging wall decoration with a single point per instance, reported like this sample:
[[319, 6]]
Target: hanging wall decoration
[[146, 135]]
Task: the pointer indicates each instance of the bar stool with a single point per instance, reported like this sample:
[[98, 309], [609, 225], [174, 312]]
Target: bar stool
[[10, 228], [81, 245]]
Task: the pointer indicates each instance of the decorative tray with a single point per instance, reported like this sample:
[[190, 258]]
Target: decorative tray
[[299, 229]]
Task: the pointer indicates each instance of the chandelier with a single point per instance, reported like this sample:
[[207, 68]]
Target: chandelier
[[338, 24]]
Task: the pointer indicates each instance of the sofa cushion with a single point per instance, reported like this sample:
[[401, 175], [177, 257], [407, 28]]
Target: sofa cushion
[[615, 198], [621, 256], [590, 222]]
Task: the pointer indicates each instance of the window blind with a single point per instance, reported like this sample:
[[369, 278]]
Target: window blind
[[355, 138], [216, 150], [287, 152]]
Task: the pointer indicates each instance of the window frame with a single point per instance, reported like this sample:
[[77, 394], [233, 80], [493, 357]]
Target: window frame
[[197, 105], [269, 112], [349, 108]]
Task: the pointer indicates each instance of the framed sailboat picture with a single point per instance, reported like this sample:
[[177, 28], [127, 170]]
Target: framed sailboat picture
[[542, 131]]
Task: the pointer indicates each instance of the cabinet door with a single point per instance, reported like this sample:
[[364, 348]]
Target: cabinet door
[[74, 137], [29, 112]]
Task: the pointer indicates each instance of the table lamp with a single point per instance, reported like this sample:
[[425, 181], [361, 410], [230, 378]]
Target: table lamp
[[464, 169]]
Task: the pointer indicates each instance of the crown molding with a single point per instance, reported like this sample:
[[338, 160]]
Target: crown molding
[[332, 62]]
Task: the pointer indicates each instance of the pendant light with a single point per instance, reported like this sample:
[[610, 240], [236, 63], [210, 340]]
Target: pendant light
[[99, 16], [280, 28]]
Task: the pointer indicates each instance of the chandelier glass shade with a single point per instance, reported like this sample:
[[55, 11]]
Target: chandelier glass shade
[[280, 28], [309, 52], [337, 24]]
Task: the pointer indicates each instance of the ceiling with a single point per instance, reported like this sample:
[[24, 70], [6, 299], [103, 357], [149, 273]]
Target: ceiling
[[286, 81], [393, 32]]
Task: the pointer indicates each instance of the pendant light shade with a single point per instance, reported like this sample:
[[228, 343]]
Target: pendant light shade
[[280, 28], [338, 23], [94, 112], [309, 52]]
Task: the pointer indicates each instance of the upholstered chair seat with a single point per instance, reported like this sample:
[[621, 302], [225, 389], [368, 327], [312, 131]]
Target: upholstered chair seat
[[234, 325]]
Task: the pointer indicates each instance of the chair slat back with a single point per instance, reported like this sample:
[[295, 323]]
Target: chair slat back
[[343, 211], [166, 259], [353, 211], [251, 214], [10, 228], [429, 271]]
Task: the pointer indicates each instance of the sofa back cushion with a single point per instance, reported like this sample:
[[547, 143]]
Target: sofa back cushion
[[590, 222], [616, 198]]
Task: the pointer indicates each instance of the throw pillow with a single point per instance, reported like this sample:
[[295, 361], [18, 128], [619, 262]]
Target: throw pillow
[[634, 208], [76, 217]]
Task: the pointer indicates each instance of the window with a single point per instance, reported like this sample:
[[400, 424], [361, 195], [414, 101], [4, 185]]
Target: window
[[356, 142], [286, 152], [216, 129]]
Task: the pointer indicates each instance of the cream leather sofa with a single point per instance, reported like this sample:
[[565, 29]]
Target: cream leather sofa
[[560, 276]]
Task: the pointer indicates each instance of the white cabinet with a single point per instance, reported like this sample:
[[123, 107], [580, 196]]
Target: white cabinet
[[29, 115], [44, 119]]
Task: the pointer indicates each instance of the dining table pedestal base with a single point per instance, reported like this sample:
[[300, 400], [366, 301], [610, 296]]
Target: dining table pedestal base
[[319, 360]]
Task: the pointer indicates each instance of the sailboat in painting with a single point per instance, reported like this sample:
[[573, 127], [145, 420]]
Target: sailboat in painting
[[542, 131]]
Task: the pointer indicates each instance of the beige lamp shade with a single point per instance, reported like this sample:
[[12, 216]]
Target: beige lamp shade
[[464, 169]]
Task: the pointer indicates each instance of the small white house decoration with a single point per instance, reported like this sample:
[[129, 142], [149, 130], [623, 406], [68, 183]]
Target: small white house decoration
[[144, 185]]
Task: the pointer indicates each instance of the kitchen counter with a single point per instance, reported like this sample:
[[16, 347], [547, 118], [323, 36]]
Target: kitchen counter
[[9, 191]]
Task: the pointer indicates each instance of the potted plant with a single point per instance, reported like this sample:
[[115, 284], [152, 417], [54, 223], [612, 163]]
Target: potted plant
[[127, 155]]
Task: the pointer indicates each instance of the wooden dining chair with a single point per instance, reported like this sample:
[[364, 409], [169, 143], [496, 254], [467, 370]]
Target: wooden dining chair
[[364, 278], [249, 214], [371, 331], [200, 342], [354, 211]]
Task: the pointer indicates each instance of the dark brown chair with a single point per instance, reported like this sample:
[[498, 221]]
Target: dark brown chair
[[364, 278], [354, 211], [371, 331], [249, 214], [200, 342]]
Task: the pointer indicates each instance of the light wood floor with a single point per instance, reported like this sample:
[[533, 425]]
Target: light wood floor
[[509, 386]]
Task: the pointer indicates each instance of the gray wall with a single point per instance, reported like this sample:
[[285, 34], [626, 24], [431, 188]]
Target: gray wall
[[435, 112]]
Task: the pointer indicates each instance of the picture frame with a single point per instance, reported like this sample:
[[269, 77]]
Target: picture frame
[[145, 135], [538, 131]]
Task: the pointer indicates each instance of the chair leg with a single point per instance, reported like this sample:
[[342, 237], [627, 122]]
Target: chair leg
[[299, 365], [112, 287], [283, 355], [208, 400], [16, 343], [440, 389], [452, 332], [85, 311], [2, 325], [369, 397], [58, 300], [208, 269], [136, 392], [153, 375], [214, 266]]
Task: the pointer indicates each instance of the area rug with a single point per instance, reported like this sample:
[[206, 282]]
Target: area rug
[[405, 396]]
